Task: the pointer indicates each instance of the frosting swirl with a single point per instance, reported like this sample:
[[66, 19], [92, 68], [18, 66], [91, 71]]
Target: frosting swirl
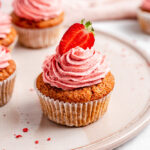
[[37, 9], [5, 25], [75, 69], [4, 57], [146, 5]]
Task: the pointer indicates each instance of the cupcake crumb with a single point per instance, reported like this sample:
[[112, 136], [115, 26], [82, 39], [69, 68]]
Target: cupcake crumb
[[28, 122], [4, 115], [31, 89]]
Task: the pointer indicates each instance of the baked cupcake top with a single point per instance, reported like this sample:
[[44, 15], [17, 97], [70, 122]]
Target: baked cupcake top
[[37, 10], [146, 5], [7, 65], [5, 25], [76, 63]]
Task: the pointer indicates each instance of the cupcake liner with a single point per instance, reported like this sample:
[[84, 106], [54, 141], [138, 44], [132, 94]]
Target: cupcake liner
[[12, 45], [38, 38], [73, 114], [144, 20], [6, 89]]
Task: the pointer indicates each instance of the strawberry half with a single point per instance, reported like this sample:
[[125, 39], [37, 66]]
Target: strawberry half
[[79, 34]]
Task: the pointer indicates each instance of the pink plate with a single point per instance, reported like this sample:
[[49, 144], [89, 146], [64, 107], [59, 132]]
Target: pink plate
[[128, 112]]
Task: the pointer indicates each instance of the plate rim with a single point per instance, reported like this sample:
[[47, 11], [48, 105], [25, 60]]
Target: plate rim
[[134, 127]]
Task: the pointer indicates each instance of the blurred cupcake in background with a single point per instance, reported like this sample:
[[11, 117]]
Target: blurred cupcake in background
[[8, 35], [144, 16], [38, 22], [7, 75]]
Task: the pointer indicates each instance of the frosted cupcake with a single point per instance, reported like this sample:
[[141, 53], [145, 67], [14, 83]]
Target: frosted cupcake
[[76, 83], [8, 36], [144, 16], [38, 22], [7, 75]]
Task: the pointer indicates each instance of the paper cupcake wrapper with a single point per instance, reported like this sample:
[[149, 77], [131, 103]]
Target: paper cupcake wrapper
[[144, 20], [73, 114], [11, 46], [38, 38], [6, 89]]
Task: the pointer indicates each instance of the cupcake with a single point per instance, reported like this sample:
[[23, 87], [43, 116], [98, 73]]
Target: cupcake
[[75, 85], [144, 16], [8, 36], [7, 75], [38, 22]]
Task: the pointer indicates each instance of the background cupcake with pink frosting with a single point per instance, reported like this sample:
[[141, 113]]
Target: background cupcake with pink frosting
[[144, 16], [38, 22], [75, 85], [8, 35], [7, 75]]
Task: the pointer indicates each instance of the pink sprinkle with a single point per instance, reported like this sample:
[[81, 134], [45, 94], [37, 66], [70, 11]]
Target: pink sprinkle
[[138, 66], [18, 136], [134, 41], [141, 78], [123, 50], [37, 142], [31, 89], [28, 122], [4, 115], [133, 89], [123, 55], [27, 114], [48, 139], [25, 129], [145, 39]]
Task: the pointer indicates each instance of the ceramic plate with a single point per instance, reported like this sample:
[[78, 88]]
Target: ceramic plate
[[128, 112]]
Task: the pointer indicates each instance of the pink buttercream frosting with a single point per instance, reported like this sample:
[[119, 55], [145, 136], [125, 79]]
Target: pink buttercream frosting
[[37, 9], [4, 57], [5, 25], [75, 69], [146, 5]]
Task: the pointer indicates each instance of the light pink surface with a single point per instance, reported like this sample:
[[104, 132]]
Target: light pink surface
[[4, 57], [74, 69], [99, 9], [146, 5], [37, 9], [5, 25], [96, 10]]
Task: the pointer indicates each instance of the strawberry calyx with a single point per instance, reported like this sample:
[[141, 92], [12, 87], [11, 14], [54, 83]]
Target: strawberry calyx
[[88, 26]]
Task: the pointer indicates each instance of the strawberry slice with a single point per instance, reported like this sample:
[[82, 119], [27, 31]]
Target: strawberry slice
[[79, 34]]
